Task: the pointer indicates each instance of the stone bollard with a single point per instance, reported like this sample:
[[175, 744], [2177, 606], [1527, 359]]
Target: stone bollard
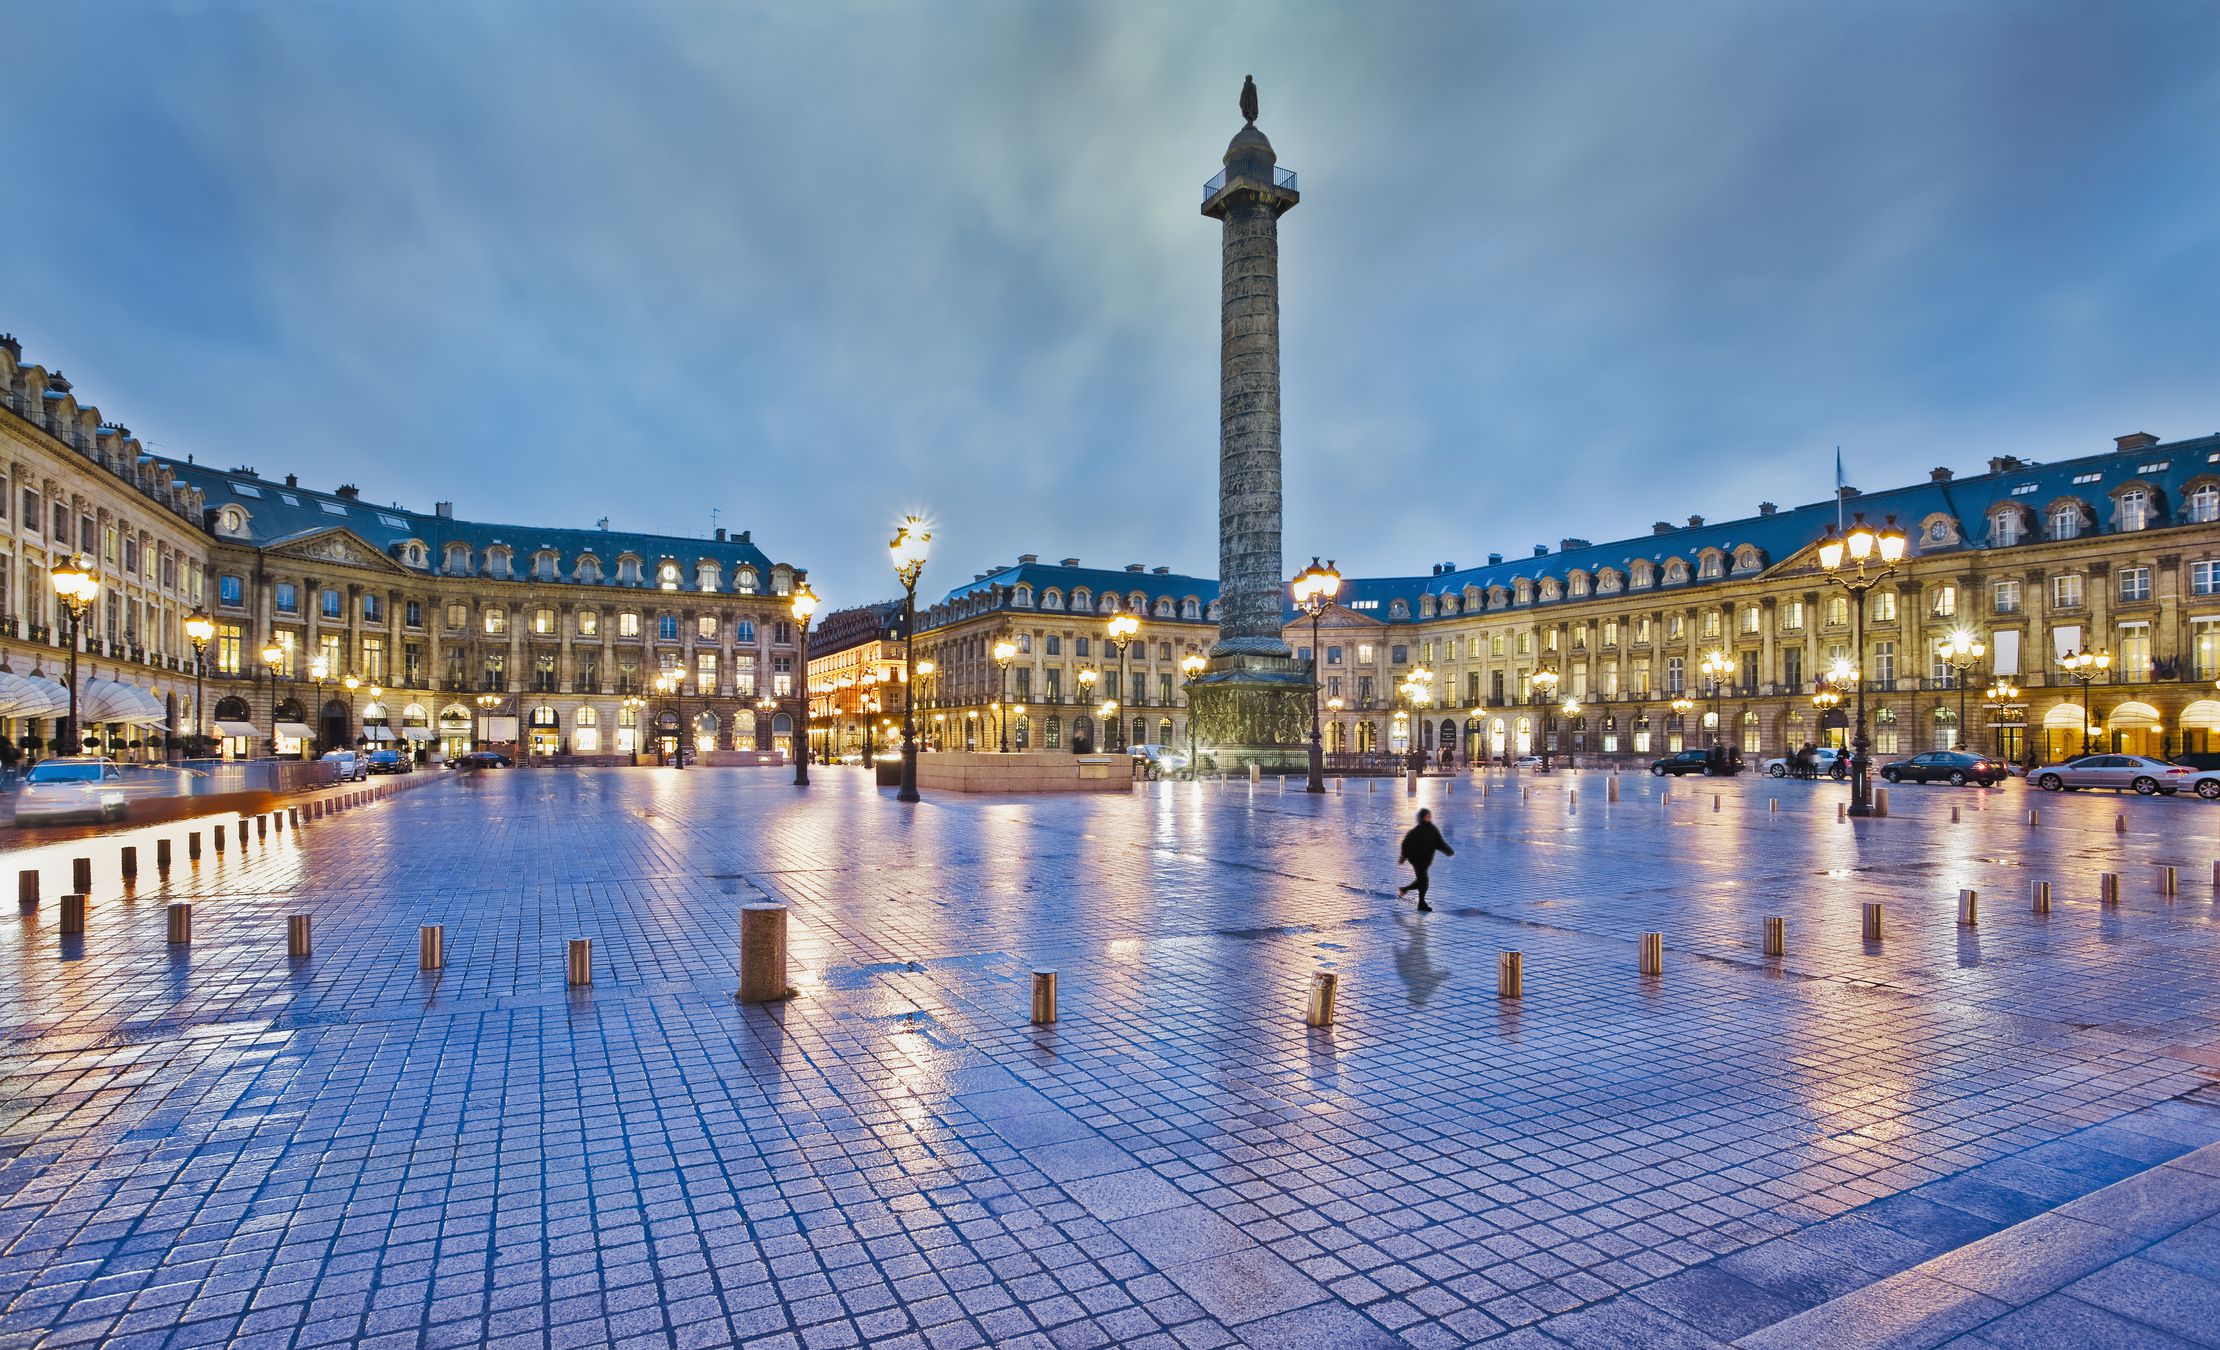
[[1044, 998], [1773, 806], [2119, 823], [73, 914], [1410, 783], [1953, 815], [1842, 812], [80, 875], [1715, 803], [1254, 772], [262, 826], [161, 855], [192, 845], [1526, 794], [296, 935], [1369, 785], [2038, 897], [127, 861], [763, 952], [1881, 801], [243, 823], [2169, 882], [1650, 959], [1281, 779], [219, 831], [1611, 788], [581, 962], [1319, 1011], [27, 890], [1872, 931], [2108, 888], [181, 924], [1664, 795], [1510, 975], [1776, 936], [1969, 908], [1337, 787], [1572, 796], [431, 947]]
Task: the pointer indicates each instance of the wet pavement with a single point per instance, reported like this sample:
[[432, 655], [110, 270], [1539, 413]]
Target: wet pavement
[[215, 1143]]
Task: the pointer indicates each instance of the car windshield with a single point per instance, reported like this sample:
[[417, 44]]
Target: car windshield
[[51, 772]]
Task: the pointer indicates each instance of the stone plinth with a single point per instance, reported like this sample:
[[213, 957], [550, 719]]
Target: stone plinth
[[1251, 710], [1023, 771]]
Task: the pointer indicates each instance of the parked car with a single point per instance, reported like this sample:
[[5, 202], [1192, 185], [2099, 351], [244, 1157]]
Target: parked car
[[1949, 766], [388, 761], [482, 759], [2205, 783], [352, 769], [1158, 761], [2124, 773], [1684, 761], [1527, 762], [59, 790], [1827, 762]]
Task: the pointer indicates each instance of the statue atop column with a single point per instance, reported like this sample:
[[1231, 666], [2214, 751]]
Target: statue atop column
[[1248, 99]]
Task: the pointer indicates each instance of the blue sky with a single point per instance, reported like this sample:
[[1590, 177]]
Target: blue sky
[[1558, 269]]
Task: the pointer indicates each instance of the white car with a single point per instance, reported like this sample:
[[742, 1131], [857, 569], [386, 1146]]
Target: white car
[[2205, 783], [1827, 762], [58, 790], [2139, 774], [352, 767], [1159, 761]]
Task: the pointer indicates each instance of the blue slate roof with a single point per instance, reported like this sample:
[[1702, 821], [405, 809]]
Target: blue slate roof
[[1044, 577], [278, 514]]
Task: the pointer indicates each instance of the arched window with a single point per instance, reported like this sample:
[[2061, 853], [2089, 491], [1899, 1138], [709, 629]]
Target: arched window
[[2005, 527], [705, 731], [2065, 522], [666, 576], [2135, 509], [2202, 505], [708, 576]]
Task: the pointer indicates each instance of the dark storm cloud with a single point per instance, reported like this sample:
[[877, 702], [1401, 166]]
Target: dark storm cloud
[[1559, 269]]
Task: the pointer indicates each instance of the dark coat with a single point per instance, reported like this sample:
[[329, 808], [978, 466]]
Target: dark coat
[[1422, 843]]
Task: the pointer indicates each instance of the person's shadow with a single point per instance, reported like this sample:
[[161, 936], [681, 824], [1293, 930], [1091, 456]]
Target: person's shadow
[[1420, 977]]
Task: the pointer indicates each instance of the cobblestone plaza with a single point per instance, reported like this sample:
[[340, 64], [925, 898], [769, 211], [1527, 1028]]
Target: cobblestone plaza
[[1994, 1131]]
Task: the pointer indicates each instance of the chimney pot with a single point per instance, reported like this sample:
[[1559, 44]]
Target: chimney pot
[[1161, 571], [1136, 567], [349, 491], [1069, 562], [1029, 557], [720, 534], [1695, 522], [1541, 550], [2140, 440], [1568, 545], [1767, 508], [444, 510], [1661, 527], [292, 480], [1939, 474]]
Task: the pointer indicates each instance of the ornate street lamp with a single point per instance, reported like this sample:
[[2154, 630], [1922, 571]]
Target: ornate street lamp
[[1858, 562], [908, 549], [2087, 668], [1087, 680], [273, 657], [1545, 688], [671, 684], [1716, 667], [1192, 665], [76, 587], [633, 704], [1122, 629], [805, 605], [1005, 651], [1961, 651], [199, 628], [1315, 589], [928, 683]]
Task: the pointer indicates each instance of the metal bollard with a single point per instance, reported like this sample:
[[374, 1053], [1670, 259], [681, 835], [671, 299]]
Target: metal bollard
[[1319, 1012], [1572, 796], [1369, 784], [1510, 975], [1281, 779], [1872, 931], [2169, 882], [2034, 817], [1254, 772], [1776, 936], [1773, 806], [296, 935], [2038, 897], [243, 822], [2108, 888], [2119, 823], [192, 845], [219, 838], [262, 826], [1842, 812], [1969, 908], [431, 947], [1651, 958], [127, 861], [27, 890], [763, 952], [581, 965], [1715, 803], [1337, 787], [1410, 783], [73, 914], [161, 855], [80, 875], [181, 924], [1044, 998], [1611, 788], [1664, 795], [1880, 801], [1953, 815], [1526, 794]]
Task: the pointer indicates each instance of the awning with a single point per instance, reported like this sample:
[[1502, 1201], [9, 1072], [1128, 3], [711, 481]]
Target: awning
[[420, 733], [297, 730], [31, 696], [377, 733], [246, 729], [105, 700]]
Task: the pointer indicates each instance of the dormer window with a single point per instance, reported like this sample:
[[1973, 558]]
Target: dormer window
[[1022, 597], [1082, 598], [588, 571], [708, 576], [231, 520], [543, 565], [2065, 522], [1399, 609], [497, 562], [1052, 599], [1676, 571], [628, 571], [666, 576], [2135, 509], [458, 560], [2005, 528], [1190, 608], [414, 554], [747, 580]]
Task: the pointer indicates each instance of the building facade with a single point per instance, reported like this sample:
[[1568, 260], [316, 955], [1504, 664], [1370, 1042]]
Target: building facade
[[341, 622], [856, 681]]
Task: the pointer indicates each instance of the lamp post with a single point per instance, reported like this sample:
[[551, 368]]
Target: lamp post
[[1315, 589], [1716, 666], [1999, 696], [909, 548], [2087, 668], [1961, 651], [199, 628], [273, 656], [1087, 680], [1858, 562], [1122, 629], [486, 702], [1005, 651], [928, 680], [1192, 665], [1418, 690], [1571, 709], [1545, 689], [76, 587], [633, 704], [804, 606], [319, 670]]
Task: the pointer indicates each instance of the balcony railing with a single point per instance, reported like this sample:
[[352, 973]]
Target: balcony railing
[[1281, 178]]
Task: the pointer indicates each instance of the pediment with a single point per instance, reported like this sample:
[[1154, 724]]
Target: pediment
[[338, 545]]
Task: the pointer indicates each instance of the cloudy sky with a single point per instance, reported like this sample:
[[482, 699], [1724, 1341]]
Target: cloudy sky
[[1559, 269]]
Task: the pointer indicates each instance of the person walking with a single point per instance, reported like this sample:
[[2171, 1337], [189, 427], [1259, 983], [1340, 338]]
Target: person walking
[[1419, 847]]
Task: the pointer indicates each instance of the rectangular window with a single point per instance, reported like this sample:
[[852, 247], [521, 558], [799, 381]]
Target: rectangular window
[[373, 660], [705, 671], [2135, 651], [1333, 656], [1610, 633], [543, 621], [1024, 684], [1884, 664], [329, 602], [327, 650], [227, 648], [458, 617], [743, 674], [1946, 602], [1079, 646], [496, 670], [1641, 676], [1675, 674], [231, 591], [413, 614], [666, 627], [589, 671], [497, 621], [782, 676], [288, 598], [373, 608], [2004, 597], [744, 632], [1792, 616], [628, 624], [2135, 584], [1398, 654], [2204, 648], [1749, 618], [2204, 578], [589, 622], [1364, 653], [1884, 607], [705, 627], [782, 633], [1055, 645], [1792, 669], [2065, 592], [1055, 683], [412, 666]]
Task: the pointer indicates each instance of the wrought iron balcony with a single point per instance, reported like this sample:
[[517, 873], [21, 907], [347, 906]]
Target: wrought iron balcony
[[1281, 178]]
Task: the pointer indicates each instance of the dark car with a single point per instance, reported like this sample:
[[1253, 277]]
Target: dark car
[[1685, 761], [389, 761], [1946, 766], [484, 759]]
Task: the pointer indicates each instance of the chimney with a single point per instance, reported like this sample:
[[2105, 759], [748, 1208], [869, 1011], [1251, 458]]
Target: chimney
[[1495, 560], [2141, 440], [1568, 545], [744, 536], [1449, 567], [1695, 522], [1845, 492], [292, 480], [1661, 527], [720, 534], [1069, 562], [13, 347], [1136, 567], [2004, 463], [1541, 550], [446, 511], [350, 491], [1938, 475], [1161, 571], [1028, 558], [1767, 508]]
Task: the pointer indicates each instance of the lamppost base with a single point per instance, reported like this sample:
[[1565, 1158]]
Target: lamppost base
[[1861, 810]]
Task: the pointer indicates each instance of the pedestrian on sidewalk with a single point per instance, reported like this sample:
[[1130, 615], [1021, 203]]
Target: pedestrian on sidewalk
[[1419, 847]]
